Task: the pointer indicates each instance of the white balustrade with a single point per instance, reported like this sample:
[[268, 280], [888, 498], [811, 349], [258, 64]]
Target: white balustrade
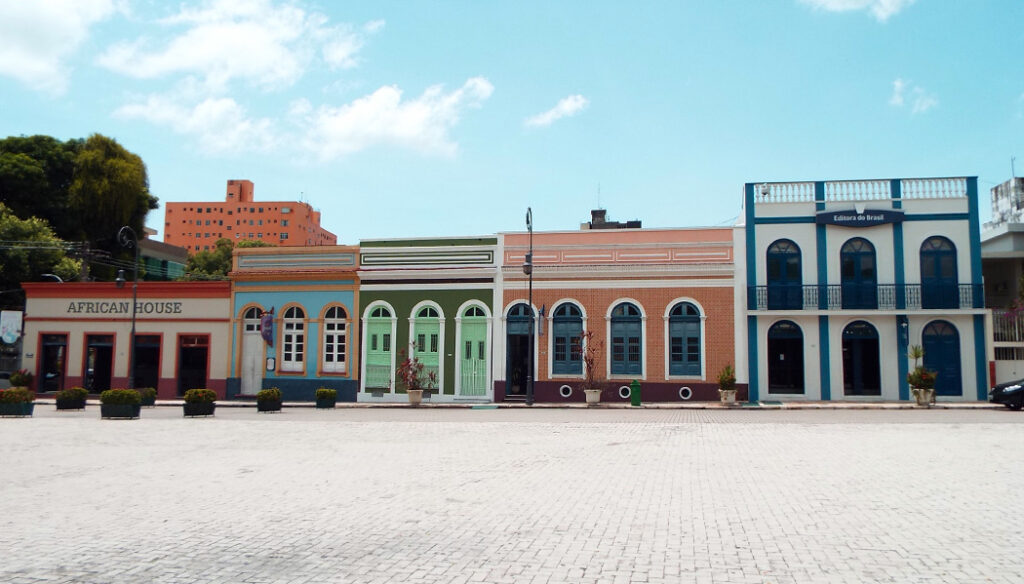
[[933, 188], [799, 192], [857, 190]]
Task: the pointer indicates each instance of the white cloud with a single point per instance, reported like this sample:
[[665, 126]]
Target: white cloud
[[36, 37], [267, 44], [881, 9], [219, 125], [920, 100], [566, 107], [421, 124]]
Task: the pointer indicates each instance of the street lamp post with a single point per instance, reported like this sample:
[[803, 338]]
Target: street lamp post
[[127, 238], [528, 270]]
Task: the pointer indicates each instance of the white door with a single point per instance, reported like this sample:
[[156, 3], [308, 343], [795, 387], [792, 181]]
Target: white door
[[252, 362]]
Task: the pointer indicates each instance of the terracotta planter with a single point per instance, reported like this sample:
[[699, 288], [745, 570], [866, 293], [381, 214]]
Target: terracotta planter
[[415, 396], [728, 396], [593, 396]]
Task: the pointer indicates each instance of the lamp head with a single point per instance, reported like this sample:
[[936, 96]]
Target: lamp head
[[120, 279]]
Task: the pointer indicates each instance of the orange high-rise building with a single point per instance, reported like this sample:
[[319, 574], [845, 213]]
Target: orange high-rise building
[[197, 226]]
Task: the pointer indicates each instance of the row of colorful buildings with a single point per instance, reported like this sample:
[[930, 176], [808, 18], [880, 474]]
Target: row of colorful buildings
[[816, 293]]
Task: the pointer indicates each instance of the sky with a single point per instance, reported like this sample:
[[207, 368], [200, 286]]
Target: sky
[[449, 118]]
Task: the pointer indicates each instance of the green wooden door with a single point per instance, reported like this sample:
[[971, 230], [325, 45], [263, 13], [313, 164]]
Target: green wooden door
[[378, 350], [473, 355]]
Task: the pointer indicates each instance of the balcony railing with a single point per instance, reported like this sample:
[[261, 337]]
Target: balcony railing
[[1007, 327], [862, 190], [865, 296]]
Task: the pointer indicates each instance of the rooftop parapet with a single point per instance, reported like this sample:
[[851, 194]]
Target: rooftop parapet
[[861, 190]]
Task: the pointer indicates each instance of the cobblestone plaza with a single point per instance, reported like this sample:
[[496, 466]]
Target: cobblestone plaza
[[514, 495]]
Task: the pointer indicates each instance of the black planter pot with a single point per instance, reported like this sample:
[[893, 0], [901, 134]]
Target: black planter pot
[[148, 402], [70, 404], [18, 410], [268, 406], [325, 404], [120, 411], [199, 409]]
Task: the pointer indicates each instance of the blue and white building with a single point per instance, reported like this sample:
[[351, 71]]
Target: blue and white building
[[840, 278]]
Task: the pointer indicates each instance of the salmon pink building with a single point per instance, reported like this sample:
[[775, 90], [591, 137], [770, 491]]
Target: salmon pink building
[[659, 303], [197, 226]]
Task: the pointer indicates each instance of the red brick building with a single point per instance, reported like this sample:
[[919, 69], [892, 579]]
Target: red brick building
[[197, 226]]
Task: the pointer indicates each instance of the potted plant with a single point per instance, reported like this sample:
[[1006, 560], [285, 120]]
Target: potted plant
[[148, 396], [200, 402], [412, 374], [268, 400], [72, 398], [16, 401], [326, 398], [921, 380], [21, 378], [727, 385], [120, 403], [593, 383]]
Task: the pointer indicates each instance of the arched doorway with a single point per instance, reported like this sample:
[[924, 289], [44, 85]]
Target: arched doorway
[[861, 369], [517, 347], [379, 327], [941, 343], [253, 352], [785, 280], [785, 358], [426, 341], [938, 274], [473, 359], [857, 271]]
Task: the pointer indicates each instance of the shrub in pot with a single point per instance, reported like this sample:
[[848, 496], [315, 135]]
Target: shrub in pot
[[200, 402], [120, 403], [593, 382], [72, 398], [921, 380], [727, 385], [326, 398], [16, 401], [268, 400], [21, 378], [148, 396]]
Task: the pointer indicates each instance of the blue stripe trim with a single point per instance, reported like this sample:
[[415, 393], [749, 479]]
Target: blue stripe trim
[[752, 362], [782, 220], [819, 196], [902, 359], [896, 189], [823, 357], [751, 255], [937, 217], [980, 362], [898, 268], [822, 250], [975, 231]]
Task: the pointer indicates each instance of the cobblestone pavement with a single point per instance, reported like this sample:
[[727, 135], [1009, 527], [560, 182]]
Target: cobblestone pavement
[[513, 496]]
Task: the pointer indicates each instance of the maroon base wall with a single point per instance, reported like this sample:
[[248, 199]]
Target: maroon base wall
[[661, 392]]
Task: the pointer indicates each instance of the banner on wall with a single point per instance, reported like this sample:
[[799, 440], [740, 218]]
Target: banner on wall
[[267, 326], [10, 326]]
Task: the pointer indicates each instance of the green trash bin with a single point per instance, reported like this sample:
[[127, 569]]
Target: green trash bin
[[634, 393]]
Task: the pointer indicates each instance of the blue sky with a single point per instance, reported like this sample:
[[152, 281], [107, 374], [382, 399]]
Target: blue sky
[[450, 118]]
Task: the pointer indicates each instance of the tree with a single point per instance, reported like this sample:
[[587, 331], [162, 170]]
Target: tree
[[110, 189], [35, 177], [215, 264], [29, 250]]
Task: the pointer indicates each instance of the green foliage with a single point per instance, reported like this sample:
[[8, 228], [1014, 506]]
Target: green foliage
[[326, 393], [727, 378], [35, 175], [271, 394], [41, 253], [16, 395], [73, 393], [21, 378], [146, 393], [922, 378], [214, 264], [198, 396], [120, 397]]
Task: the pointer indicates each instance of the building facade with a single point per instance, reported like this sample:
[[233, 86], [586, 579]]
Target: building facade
[[77, 334], [197, 226], [842, 277], [429, 299], [658, 302], [294, 323]]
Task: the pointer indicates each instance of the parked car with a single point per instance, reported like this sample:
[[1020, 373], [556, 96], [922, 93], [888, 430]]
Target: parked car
[[1010, 394]]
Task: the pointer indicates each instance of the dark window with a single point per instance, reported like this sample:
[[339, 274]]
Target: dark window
[[627, 346], [567, 336], [684, 340]]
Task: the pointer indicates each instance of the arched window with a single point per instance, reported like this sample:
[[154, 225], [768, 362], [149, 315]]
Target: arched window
[[567, 340], [938, 274], [335, 340], [785, 280], [785, 358], [627, 340], [684, 343], [293, 347], [251, 319], [861, 368], [857, 271]]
